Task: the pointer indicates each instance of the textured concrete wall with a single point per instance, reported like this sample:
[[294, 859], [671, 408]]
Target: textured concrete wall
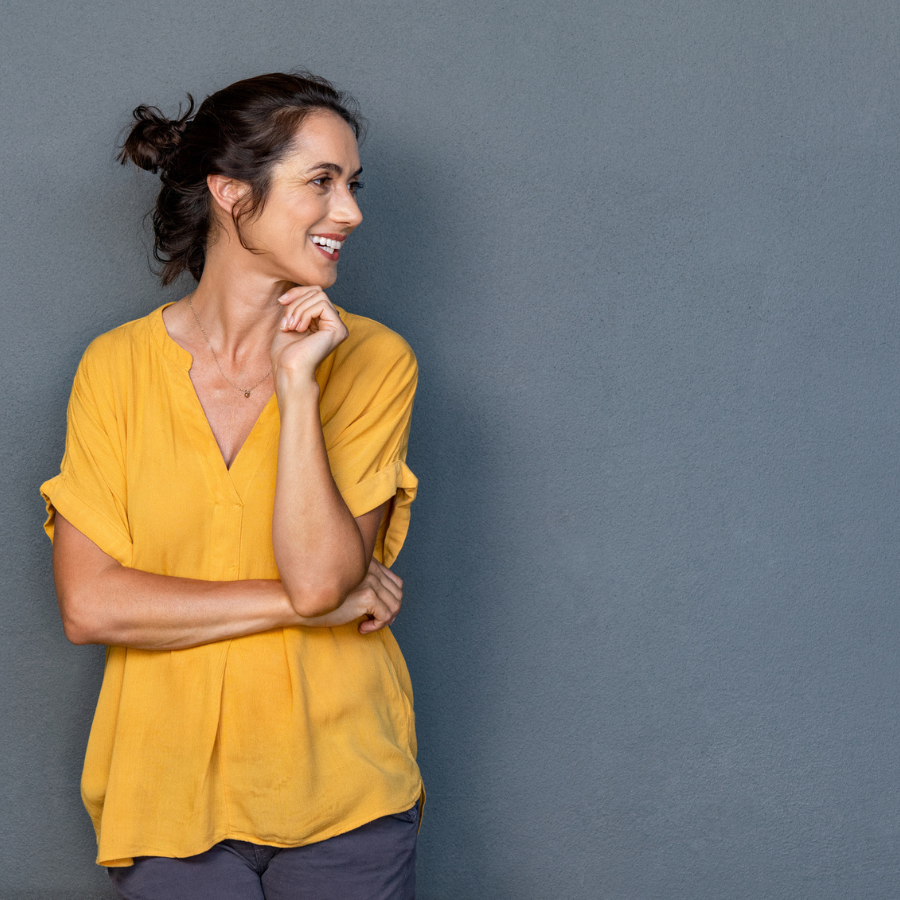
[[647, 254]]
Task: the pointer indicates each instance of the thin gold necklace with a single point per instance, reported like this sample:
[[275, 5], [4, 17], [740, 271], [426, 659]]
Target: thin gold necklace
[[245, 391]]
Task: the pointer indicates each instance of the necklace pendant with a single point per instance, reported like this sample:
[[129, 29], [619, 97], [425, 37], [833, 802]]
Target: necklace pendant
[[246, 393]]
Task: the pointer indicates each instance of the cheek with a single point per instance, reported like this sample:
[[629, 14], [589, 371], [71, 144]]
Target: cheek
[[302, 214], [292, 230], [275, 238], [282, 232]]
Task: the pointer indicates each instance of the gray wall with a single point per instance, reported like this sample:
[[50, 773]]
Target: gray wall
[[647, 254]]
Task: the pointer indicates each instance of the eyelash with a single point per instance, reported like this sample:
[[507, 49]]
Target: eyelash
[[355, 186]]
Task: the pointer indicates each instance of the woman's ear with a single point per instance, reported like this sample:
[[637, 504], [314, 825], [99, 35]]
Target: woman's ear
[[226, 192]]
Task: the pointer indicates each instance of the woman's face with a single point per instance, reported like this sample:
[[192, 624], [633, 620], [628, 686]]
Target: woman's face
[[311, 206]]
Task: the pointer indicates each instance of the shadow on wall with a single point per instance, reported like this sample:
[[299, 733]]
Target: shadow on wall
[[409, 272]]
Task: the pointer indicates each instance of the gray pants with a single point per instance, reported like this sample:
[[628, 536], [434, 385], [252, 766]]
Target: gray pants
[[374, 862]]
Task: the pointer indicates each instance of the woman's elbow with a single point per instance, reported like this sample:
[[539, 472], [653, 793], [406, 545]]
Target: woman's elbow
[[322, 597], [310, 603], [77, 635], [79, 624]]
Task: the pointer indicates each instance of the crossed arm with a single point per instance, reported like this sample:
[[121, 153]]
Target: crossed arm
[[103, 602], [324, 556]]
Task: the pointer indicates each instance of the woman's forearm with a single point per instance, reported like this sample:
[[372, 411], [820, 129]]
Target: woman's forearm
[[130, 608], [318, 546]]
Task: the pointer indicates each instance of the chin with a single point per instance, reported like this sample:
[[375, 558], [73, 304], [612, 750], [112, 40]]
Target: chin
[[325, 276], [325, 280]]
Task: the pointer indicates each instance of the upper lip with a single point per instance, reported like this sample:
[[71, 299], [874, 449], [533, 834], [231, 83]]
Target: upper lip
[[332, 237]]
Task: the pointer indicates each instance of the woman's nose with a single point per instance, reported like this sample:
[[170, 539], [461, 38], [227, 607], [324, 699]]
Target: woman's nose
[[346, 209]]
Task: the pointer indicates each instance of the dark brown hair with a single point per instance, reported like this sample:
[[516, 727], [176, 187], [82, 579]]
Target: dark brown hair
[[241, 131]]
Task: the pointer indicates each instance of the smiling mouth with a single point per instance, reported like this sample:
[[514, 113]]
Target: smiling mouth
[[329, 247]]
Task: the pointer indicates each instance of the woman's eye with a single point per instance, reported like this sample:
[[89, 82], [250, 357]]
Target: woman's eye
[[324, 180]]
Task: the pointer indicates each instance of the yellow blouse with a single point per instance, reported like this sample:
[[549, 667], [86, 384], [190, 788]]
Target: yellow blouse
[[286, 737]]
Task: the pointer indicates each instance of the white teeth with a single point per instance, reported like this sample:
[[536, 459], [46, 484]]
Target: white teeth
[[327, 243]]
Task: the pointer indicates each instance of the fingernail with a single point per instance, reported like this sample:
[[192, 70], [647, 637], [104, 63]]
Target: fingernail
[[284, 322]]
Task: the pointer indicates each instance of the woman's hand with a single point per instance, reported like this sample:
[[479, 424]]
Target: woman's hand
[[310, 330], [377, 597]]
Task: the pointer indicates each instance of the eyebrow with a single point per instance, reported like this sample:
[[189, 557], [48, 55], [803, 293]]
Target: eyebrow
[[333, 167]]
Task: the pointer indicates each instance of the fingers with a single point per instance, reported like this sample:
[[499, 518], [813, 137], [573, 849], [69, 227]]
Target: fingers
[[291, 298], [385, 598], [307, 305], [300, 313], [381, 616], [389, 584], [386, 572], [382, 571], [391, 591], [389, 595], [371, 625], [295, 292], [299, 292]]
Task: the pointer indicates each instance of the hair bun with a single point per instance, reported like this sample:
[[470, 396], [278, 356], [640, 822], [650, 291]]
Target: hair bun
[[154, 139]]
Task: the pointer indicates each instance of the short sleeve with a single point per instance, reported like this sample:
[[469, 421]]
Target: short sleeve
[[90, 490], [368, 438]]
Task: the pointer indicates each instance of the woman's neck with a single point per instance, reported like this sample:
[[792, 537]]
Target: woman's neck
[[238, 307]]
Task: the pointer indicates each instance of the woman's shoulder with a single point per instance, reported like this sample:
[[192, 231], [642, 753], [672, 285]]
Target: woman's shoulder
[[373, 365], [124, 339], [372, 345], [115, 359], [369, 336]]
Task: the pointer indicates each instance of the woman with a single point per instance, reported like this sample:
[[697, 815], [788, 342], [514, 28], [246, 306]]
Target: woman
[[233, 487]]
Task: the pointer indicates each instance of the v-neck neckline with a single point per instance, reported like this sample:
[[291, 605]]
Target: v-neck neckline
[[249, 454]]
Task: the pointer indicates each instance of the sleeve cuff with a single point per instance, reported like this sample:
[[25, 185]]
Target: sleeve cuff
[[108, 537], [394, 482]]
